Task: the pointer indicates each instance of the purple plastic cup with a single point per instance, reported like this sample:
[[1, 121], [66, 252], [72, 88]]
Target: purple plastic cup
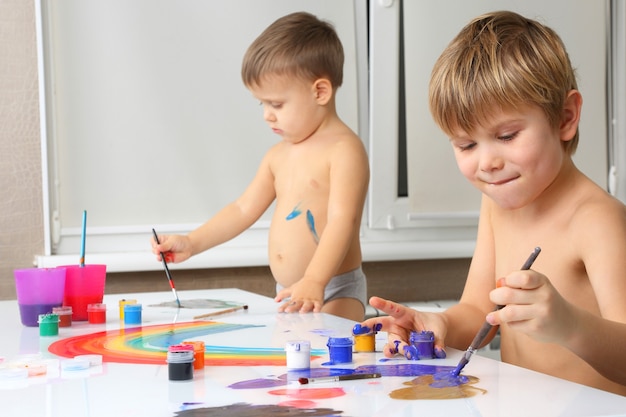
[[39, 290]]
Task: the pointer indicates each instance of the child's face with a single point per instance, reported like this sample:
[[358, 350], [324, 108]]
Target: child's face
[[513, 158], [290, 107]]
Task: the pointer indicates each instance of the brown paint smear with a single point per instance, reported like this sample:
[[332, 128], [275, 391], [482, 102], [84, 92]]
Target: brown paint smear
[[420, 389]]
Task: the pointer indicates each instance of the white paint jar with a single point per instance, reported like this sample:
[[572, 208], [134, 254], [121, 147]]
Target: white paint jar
[[298, 354]]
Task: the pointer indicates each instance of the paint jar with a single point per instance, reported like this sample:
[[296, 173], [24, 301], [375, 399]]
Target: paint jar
[[48, 325], [421, 345], [179, 362], [97, 313], [65, 315], [122, 303], [132, 314], [298, 354], [198, 353], [365, 342], [340, 349]]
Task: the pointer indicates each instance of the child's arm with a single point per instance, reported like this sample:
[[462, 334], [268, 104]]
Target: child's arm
[[536, 308], [227, 223], [349, 178]]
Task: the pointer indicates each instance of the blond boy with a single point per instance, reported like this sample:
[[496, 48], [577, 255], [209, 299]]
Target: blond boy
[[318, 174], [505, 93]]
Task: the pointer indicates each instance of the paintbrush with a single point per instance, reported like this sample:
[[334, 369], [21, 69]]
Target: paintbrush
[[221, 312], [336, 378], [83, 237], [167, 270], [484, 330]]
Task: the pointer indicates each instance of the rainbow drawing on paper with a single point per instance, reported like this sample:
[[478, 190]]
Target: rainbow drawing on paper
[[149, 344]]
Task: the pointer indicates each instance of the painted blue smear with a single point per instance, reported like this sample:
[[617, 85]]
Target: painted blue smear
[[442, 375], [311, 222], [294, 213]]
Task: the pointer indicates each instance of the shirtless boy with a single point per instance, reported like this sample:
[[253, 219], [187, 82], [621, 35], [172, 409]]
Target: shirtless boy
[[318, 174], [505, 93]]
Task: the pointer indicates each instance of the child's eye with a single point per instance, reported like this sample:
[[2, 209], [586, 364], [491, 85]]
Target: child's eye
[[276, 105], [508, 137], [466, 146]]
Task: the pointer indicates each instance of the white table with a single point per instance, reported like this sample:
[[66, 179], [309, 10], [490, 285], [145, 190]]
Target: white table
[[125, 389]]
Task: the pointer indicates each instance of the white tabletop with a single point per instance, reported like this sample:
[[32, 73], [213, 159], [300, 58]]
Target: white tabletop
[[131, 389]]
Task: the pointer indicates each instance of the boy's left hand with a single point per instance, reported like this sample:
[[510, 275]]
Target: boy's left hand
[[532, 306], [303, 297]]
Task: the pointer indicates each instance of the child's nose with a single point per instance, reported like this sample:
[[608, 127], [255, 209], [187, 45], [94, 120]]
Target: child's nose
[[490, 160], [268, 114]]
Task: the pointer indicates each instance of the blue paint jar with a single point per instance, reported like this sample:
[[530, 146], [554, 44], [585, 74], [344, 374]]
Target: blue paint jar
[[132, 314], [340, 349], [421, 345]]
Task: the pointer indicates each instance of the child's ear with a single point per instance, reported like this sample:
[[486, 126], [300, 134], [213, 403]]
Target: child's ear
[[323, 90], [571, 115]]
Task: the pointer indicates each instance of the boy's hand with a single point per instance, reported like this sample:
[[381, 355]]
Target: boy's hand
[[533, 306], [401, 321], [303, 297], [175, 248]]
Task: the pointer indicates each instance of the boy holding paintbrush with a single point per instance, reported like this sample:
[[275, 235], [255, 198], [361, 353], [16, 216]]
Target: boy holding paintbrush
[[317, 174], [505, 93]]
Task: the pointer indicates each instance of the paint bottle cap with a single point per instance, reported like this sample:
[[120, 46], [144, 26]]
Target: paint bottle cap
[[94, 360], [10, 374], [48, 318], [298, 346], [132, 308], [96, 307], [180, 354], [74, 364]]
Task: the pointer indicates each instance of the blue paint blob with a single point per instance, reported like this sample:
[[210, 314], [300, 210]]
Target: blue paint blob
[[358, 329], [448, 379], [294, 213], [311, 223]]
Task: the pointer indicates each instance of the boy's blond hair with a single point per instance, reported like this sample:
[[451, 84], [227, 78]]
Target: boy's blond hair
[[299, 45], [500, 60]]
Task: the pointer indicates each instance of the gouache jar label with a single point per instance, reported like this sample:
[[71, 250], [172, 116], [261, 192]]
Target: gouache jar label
[[97, 313], [48, 325], [198, 353], [340, 349], [65, 315], [421, 345], [123, 303], [298, 354], [365, 342], [132, 314], [179, 362]]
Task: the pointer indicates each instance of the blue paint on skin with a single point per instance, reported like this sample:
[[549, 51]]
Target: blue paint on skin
[[294, 213], [311, 223]]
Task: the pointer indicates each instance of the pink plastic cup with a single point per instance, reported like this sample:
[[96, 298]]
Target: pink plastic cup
[[38, 290], [83, 286]]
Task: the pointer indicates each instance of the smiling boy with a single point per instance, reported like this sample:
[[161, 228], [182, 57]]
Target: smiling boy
[[505, 93]]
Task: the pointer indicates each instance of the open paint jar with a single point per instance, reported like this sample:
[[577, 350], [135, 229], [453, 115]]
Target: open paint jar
[[48, 325], [340, 349], [298, 354], [180, 362], [97, 313], [132, 314], [65, 315], [421, 345], [198, 353]]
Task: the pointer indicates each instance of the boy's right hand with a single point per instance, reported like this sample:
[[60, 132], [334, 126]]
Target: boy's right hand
[[175, 248], [401, 321]]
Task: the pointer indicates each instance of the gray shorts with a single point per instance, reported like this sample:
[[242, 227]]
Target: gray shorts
[[352, 284]]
